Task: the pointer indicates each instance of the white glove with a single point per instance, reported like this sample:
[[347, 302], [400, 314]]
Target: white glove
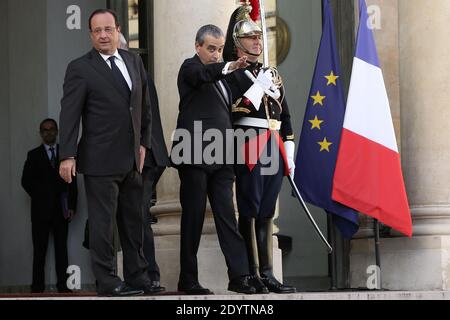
[[263, 83], [271, 91], [289, 146]]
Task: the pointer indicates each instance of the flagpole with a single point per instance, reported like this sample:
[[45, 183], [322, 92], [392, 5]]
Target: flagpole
[[376, 225], [332, 260], [332, 263]]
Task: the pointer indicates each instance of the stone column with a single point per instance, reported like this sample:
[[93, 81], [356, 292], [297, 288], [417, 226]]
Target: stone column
[[176, 24], [425, 113], [421, 263]]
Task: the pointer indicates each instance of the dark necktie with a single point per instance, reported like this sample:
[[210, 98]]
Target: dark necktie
[[119, 76], [53, 157]]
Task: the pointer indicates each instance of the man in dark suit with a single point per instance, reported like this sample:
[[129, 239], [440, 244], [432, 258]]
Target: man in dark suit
[[206, 99], [53, 205], [107, 89], [156, 161]]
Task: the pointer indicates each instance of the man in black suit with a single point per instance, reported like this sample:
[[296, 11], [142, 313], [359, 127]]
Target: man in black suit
[[107, 89], [53, 205], [206, 99], [156, 161]]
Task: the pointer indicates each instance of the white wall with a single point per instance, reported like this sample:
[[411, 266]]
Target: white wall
[[5, 145]]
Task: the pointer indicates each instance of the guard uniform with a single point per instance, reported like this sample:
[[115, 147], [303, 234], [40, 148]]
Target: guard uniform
[[257, 191], [262, 129]]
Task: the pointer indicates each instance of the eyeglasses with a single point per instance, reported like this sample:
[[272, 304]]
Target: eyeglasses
[[108, 30]]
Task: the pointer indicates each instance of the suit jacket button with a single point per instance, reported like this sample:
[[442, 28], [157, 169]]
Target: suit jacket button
[[131, 109]]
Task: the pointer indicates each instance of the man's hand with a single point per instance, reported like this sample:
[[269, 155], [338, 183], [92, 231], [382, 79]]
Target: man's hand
[[265, 82], [142, 153], [241, 63], [265, 79], [68, 169], [260, 87]]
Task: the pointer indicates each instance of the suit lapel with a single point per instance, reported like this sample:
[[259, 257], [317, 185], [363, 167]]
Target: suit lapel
[[101, 67], [221, 94], [225, 84], [57, 155], [230, 98], [45, 159]]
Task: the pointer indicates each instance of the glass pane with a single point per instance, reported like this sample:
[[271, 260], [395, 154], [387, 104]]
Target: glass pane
[[133, 24]]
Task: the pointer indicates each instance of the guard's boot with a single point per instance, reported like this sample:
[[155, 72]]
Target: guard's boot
[[247, 230], [264, 233]]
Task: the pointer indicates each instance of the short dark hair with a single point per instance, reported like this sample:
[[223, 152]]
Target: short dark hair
[[101, 11], [209, 29], [48, 120]]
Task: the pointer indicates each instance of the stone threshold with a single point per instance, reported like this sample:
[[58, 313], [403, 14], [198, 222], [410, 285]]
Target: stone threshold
[[349, 295]]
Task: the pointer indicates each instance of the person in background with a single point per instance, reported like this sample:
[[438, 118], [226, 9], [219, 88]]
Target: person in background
[[53, 205]]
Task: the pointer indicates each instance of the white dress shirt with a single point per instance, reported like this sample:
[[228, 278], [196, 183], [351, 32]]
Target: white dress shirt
[[49, 153]]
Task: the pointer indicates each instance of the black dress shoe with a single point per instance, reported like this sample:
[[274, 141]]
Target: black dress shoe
[[241, 285], [195, 290], [121, 291], [275, 286], [153, 288], [157, 286], [256, 282]]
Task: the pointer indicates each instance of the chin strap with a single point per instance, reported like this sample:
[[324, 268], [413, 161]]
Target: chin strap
[[240, 46]]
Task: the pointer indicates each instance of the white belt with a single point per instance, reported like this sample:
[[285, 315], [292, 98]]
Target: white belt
[[259, 123]]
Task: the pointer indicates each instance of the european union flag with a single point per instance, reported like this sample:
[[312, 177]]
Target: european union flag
[[321, 133]]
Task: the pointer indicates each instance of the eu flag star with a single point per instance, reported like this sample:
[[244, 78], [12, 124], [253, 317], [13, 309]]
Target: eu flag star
[[325, 145], [316, 123], [331, 79], [318, 99]]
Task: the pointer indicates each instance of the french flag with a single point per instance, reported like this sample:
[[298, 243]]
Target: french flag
[[368, 176]]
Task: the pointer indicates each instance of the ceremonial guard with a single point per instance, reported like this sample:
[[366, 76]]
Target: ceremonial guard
[[259, 107]]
